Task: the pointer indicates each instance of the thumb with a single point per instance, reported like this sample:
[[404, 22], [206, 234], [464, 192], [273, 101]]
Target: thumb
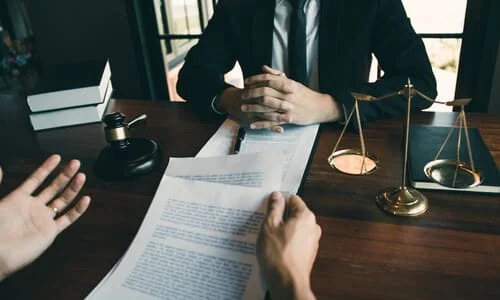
[[269, 70], [275, 209]]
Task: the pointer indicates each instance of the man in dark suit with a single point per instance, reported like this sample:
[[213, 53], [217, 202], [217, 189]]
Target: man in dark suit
[[340, 35]]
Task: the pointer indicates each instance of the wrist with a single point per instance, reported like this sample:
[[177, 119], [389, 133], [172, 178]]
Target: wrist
[[302, 290], [290, 286], [226, 99], [331, 110]]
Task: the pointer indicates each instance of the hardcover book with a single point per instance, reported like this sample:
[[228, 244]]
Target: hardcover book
[[72, 116], [70, 85], [425, 142]]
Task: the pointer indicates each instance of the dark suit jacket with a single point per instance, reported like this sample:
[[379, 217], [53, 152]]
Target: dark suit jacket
[[349, 32]]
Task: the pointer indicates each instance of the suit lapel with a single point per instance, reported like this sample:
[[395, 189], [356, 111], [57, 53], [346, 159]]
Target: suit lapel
[[330, 19], [262, 34]]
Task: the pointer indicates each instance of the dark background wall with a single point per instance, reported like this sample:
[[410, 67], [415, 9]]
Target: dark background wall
[[70, 31], [494, 105]]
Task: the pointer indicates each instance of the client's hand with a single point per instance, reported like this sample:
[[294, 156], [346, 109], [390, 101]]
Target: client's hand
[[287, 247], [30, 223]]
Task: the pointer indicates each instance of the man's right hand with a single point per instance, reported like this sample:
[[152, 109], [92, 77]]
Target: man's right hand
[[231, 101], [287, 246]]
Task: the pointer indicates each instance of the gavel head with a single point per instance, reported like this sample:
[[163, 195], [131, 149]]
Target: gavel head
[[116, 131], [125, 156]]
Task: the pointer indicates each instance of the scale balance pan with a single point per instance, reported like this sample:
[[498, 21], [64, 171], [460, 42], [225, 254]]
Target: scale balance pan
[[453, 174], [349, 161]]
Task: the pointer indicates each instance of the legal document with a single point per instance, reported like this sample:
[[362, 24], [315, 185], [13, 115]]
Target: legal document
[[258, 173], [251, 170], [294, 146], [222, 142], [197, 241]]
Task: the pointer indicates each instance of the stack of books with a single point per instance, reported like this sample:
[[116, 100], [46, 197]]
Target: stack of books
[[71, 95]]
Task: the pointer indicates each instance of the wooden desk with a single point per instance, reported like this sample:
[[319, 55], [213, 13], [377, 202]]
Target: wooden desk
[[451, 252]]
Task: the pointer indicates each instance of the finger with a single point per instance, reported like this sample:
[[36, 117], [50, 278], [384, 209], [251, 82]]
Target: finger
[[1, 174], [60, 182], [73, 214], [69, 193], [53, 211], [269, 102], [263, 78], [278, 83], [253, 94], [264, 124], [296, 206], [256, 108], [273, 116], [277, 129], [268, 69], [275, 209], [284, 85], [37, 178]]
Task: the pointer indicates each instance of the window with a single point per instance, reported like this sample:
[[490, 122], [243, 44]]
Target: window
[[180, 24], [440, 24]]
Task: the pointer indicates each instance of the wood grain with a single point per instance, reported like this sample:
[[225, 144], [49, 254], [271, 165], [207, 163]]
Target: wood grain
[[451, 252]]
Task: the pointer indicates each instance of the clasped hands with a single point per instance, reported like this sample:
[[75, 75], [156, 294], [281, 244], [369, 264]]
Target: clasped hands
[[270, 100]]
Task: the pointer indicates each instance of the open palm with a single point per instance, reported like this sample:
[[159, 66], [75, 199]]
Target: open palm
[[30, 223]]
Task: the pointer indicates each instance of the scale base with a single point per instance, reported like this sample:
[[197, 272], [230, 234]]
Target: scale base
[[402, 201]]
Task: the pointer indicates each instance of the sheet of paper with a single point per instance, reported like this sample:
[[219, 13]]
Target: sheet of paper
[[251, 170], [221, 143], [294, 146], [197, 241]]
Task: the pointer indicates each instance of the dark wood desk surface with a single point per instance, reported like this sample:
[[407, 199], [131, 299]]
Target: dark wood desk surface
[[451, 252]]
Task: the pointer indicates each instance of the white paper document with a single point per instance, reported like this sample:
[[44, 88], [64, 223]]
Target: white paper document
[[258, 171], [197, 241], [222, 142], [294, 146], [250, 170]]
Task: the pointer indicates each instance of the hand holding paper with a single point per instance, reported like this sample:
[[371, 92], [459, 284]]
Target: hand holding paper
[[287, 246]]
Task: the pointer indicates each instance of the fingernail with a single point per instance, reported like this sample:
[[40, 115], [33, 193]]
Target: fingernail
[[253, 126], [244, 108], [275, 196]]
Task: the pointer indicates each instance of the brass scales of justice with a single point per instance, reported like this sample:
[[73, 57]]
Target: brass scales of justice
[[405, 200]]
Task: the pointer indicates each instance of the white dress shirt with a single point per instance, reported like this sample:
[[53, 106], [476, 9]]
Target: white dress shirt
[[281, 26], [282, 14]]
